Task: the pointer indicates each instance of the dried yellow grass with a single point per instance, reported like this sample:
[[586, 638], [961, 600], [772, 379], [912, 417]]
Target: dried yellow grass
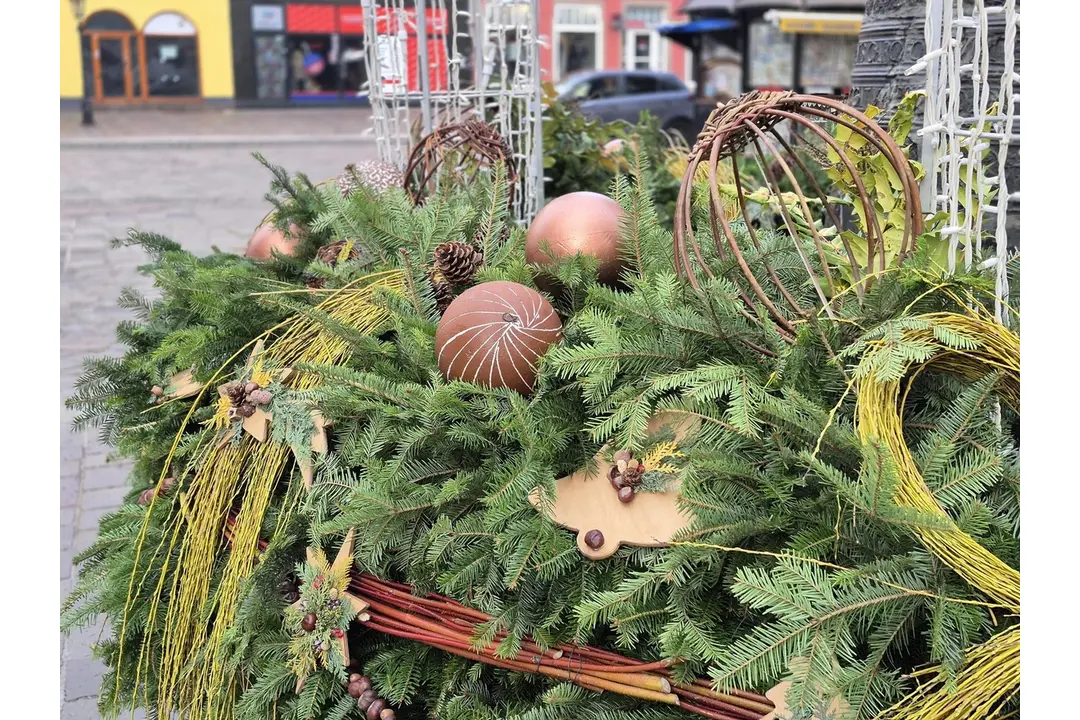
[[193, 679]]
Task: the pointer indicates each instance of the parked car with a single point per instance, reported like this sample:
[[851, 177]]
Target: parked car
[[622, 94]]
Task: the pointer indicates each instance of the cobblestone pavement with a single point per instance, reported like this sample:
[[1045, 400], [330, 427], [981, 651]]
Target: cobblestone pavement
[[200, 197]]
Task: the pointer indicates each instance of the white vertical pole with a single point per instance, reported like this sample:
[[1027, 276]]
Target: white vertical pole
[[425, 70]]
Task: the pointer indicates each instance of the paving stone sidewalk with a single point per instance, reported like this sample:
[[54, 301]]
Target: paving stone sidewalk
[[200, 197]]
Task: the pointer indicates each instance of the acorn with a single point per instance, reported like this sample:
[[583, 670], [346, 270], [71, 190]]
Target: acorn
[[308, 623], [157, 391], [366, 699], [387, 714], [626, 494], [376, 707]]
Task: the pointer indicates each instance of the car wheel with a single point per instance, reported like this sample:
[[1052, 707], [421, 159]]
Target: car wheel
[[682, 127]]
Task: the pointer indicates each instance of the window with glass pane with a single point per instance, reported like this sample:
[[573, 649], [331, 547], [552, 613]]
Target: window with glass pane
[[640, 84]]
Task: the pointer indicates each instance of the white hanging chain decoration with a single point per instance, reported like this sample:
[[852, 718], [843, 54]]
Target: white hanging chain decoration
[[955, 137], [509, 99]]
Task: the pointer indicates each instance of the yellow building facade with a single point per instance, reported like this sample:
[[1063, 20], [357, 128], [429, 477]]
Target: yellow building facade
[[147, 51]]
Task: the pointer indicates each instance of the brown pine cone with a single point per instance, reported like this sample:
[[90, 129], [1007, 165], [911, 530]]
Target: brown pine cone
[[632, 475], [457, 262], [236, 393], [330, 254], [444, 294]]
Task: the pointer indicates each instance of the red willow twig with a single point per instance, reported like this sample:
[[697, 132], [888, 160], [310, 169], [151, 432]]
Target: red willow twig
[[447, 625]]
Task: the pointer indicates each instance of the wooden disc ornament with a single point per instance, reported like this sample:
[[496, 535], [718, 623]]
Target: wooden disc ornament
[[587, 503], [494, 333], [580, 222], [268, 239]]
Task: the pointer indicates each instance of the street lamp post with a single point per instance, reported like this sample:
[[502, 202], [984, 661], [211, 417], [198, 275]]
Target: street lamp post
[[78, 9]]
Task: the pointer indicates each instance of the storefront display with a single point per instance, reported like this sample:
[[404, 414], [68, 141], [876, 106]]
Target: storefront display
[[317, 52], [772, 57], [826, 62]]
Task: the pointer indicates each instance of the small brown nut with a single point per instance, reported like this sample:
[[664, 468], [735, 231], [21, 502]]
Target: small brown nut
[[366, 698], [251, 387], [626, 494], [387, 714], [376, 707], [623, 456], [594, 539], [157, 391]]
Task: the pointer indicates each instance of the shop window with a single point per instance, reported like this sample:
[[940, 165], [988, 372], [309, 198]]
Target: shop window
[[826, 62], [171, 56], [271, 67], [772, 57], [577, 51], [312, 65]]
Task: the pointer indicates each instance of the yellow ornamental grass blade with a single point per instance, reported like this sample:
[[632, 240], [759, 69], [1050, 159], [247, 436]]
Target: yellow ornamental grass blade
[[193, 677], [989, 679], [969, 346]]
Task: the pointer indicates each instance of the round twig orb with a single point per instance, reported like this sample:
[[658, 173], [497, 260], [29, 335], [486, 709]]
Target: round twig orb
[[473, 144], [782, 132]]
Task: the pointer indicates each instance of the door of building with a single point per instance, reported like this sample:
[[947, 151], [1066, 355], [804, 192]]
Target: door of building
[[115, 74], [642, 50]]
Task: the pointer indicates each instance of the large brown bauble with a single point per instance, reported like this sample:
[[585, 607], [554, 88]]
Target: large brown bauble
[[268, 238], [494, 333], [581, 222]]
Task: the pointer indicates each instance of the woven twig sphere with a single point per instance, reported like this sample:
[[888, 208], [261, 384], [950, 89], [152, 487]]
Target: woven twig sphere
[[475, 144], [769, 125]]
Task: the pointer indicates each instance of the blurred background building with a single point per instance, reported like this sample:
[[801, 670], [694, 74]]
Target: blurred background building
[[146, 51], [252, 53]]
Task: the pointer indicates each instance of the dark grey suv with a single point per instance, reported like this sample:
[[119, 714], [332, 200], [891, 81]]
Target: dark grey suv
[[622, 95]]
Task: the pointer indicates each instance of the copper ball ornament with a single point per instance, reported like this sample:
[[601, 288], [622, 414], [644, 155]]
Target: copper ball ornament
[[269, 238], [580, 222], [493, 334]]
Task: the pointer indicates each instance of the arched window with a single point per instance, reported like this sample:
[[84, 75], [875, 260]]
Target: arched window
[[107, 20], [171, 55]]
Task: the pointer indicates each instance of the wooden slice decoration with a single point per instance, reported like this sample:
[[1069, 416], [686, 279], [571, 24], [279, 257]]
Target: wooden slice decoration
[[494, 333], [587, 503]]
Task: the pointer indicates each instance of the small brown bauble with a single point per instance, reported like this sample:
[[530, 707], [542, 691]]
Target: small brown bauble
[[268, 239], [373, 710], [308, 623], [580, 222], [493, 334]]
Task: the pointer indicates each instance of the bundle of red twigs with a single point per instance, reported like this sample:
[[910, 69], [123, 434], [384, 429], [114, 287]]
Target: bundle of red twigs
[[448, 625]]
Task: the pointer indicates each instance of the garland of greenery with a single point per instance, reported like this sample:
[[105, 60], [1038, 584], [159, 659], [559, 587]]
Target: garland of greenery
[[803, 561]]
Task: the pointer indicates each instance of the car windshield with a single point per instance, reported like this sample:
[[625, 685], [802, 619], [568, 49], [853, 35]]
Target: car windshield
[[562, 87]]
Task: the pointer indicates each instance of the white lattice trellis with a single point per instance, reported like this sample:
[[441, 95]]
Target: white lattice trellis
[[497, 40], [955, 134]]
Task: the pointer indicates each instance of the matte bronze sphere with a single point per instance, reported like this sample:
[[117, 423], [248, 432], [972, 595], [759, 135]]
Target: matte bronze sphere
[[268, 239], [493, 334], [581, 222]]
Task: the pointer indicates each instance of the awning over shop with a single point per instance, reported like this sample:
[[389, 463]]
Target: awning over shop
[[816, 23], [683, 33]]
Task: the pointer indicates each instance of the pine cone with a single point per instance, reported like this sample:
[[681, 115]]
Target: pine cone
[[245, 410], [632, 475], [457, 262], [329, 254], [236, 393], [315, 282], [444, 294]]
